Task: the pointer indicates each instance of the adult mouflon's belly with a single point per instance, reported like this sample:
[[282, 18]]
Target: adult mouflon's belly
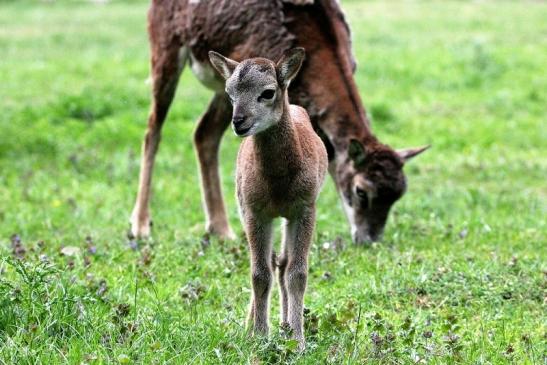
[[205, 73]]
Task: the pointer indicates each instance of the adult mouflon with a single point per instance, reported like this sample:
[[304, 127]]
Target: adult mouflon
[[368, 174], [281, 166]]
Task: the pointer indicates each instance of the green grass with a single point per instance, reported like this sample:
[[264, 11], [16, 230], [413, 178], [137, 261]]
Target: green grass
[[460, 276]]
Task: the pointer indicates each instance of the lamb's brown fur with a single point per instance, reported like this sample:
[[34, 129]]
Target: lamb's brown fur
[[182, 30], [279, 173]]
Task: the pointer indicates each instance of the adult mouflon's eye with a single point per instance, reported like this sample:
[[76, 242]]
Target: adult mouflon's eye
[[266, 94], [361, 193], [362, 196]]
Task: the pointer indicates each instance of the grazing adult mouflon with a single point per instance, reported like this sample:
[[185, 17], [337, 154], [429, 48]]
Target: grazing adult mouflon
[[280, 169], [368, 174]]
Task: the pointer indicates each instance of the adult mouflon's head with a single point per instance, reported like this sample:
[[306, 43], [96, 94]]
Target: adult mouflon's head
[[371, 180], [257, 88]]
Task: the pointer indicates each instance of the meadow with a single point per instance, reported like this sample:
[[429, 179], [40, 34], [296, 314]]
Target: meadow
[[460, 277]]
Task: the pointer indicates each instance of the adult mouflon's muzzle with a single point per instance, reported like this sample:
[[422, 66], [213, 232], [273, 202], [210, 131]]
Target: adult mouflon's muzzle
[[360, 236]]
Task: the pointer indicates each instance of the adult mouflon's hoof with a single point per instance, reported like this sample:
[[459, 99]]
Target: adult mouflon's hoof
[[141, 226], [223, 232]]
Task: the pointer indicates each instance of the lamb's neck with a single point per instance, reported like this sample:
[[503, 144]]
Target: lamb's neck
[[277, 148]]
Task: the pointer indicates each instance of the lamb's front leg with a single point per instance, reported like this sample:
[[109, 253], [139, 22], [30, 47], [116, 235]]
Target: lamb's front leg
[[259, 235], [282, 269], [300, 230]]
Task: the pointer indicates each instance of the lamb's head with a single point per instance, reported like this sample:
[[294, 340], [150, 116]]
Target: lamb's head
[[257, 88]]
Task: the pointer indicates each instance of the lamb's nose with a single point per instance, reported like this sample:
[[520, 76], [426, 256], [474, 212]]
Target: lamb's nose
[[238, 120]]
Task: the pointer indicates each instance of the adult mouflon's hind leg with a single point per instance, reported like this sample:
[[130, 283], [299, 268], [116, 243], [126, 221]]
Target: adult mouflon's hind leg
[[167, 62], [207, 139]]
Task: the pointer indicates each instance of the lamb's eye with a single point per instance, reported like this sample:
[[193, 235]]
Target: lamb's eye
[[266, 94]]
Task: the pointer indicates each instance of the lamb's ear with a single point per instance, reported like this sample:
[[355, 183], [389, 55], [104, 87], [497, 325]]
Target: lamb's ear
[[223, 65], [288, 66], [408, 153], [356, 151]]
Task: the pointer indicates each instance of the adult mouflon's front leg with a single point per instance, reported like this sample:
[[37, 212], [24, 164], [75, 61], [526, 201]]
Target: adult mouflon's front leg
[[207, 139], [299, 231], [259, 236]]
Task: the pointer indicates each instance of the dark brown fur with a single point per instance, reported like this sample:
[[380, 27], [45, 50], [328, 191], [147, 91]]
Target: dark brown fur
[[249, 28]]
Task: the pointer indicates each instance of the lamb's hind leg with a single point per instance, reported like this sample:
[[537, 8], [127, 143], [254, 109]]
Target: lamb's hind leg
[[300, 230], [207, 139], [167, 62]]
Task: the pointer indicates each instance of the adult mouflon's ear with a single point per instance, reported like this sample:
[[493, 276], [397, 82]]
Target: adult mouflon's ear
[[289, 64], [408, 153], [223, 65], [356, 151]]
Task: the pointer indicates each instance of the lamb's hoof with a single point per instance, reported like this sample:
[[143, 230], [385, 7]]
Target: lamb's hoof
[[301, 347], [260, 331]]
